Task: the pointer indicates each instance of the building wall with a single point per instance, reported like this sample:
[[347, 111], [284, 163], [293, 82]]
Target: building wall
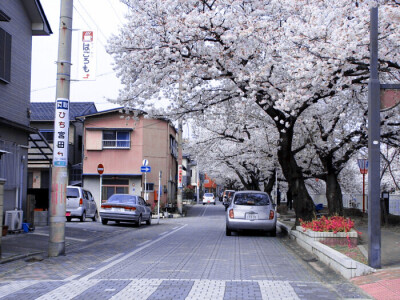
[[14, 105], [14, 96], [149, 140], [115, 161]]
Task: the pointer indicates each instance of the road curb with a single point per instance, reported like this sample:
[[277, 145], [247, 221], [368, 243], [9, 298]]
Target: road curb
[[20, 256], [339, 262]]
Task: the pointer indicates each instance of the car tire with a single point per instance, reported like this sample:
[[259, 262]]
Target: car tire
[[273, 232], [83, 217], [69, 219], [139, 222], [148, 222], [95, 217], [214, 203], [104, 221], [228, 232], [204, 204]]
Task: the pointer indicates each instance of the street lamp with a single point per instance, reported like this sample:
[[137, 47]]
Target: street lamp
[[363, 165]]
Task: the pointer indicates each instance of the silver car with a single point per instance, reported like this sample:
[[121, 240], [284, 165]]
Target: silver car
[[251, 210], [80, 204], [125, 208]]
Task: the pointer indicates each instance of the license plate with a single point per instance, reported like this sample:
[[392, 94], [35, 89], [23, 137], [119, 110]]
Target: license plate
[[251, 216], [67, 214], [117, 209]]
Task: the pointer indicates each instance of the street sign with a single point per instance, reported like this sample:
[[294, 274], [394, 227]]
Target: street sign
[[100, 169], [145, 162], [363, 165], [145, 169]]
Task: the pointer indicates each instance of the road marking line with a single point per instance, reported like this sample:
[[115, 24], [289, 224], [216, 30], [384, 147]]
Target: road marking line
[[70, 290], [204, 211], [130, 254], [165, 232], [67, 238], [112, 257], [70, 278], [143, 243], [13, 287]]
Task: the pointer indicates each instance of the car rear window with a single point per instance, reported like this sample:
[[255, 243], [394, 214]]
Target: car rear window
[[122, 199], [208, 194], [251, 199], [72, 193]]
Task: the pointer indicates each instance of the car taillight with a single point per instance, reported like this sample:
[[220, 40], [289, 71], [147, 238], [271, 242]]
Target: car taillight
[[80, 202], [231, 215], [104, 206], [130, 208], [271, 214]]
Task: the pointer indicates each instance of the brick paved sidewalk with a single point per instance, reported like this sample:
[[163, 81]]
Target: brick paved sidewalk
[[384, 284]]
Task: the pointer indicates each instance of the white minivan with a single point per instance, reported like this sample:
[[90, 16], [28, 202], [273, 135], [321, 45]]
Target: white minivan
[[80, 204]]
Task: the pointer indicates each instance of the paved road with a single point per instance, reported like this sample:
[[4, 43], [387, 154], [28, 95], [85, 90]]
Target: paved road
[[180, 258]]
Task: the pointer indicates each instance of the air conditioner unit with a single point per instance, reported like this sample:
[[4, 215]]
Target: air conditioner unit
[[13, 219]]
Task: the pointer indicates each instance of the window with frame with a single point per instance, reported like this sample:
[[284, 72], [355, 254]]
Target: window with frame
[[149, 187], [5, 56], [116, 139], [113, 186]]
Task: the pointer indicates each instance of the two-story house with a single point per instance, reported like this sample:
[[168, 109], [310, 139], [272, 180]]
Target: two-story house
[[41, 143], [120, 141], [20, 20]]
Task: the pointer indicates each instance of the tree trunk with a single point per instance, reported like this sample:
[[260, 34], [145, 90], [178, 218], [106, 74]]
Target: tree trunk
[[333, 190], [334, 194], [302, 202], [269, 183]]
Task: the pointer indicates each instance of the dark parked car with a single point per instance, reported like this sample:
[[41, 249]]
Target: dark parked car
[[251, 210], [125, 208]]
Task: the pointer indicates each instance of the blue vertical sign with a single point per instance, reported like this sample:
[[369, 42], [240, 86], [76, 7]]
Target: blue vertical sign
[[61, 129]]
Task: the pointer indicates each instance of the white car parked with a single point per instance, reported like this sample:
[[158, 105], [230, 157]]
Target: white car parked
[[208, 198]]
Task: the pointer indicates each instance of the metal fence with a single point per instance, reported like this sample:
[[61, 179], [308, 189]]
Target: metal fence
[[356, 201]]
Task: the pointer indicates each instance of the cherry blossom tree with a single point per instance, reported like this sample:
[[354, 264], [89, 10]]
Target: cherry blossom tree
[[288, 57]]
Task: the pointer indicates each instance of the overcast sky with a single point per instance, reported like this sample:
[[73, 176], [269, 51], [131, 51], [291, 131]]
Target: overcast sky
[[105, 16]]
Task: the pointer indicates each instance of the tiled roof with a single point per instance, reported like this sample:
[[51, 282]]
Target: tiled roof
[[44, 111]]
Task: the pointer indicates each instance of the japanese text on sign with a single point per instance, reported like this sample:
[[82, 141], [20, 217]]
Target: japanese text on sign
[[180, 174], [61, 127], [87, 57]]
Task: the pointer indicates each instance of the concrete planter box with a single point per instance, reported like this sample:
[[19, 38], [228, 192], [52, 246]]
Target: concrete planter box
[[339, 262], [331, 238], [312, 242]]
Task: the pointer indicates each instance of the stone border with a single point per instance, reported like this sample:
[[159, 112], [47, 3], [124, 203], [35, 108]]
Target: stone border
[[339, 262]]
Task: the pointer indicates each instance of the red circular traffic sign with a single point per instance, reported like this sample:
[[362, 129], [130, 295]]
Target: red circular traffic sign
[[100, 169]]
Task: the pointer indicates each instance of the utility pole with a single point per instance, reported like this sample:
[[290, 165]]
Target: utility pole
[[180, 167], [59, 178], [198, 181], [374, 209]]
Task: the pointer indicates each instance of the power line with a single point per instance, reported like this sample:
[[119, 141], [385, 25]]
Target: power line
[[72, 81]]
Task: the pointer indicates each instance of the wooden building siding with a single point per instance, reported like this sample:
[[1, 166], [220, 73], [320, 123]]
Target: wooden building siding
[[14, 99]]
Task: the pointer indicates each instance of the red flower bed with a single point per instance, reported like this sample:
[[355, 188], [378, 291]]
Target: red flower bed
[[331, 224]]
